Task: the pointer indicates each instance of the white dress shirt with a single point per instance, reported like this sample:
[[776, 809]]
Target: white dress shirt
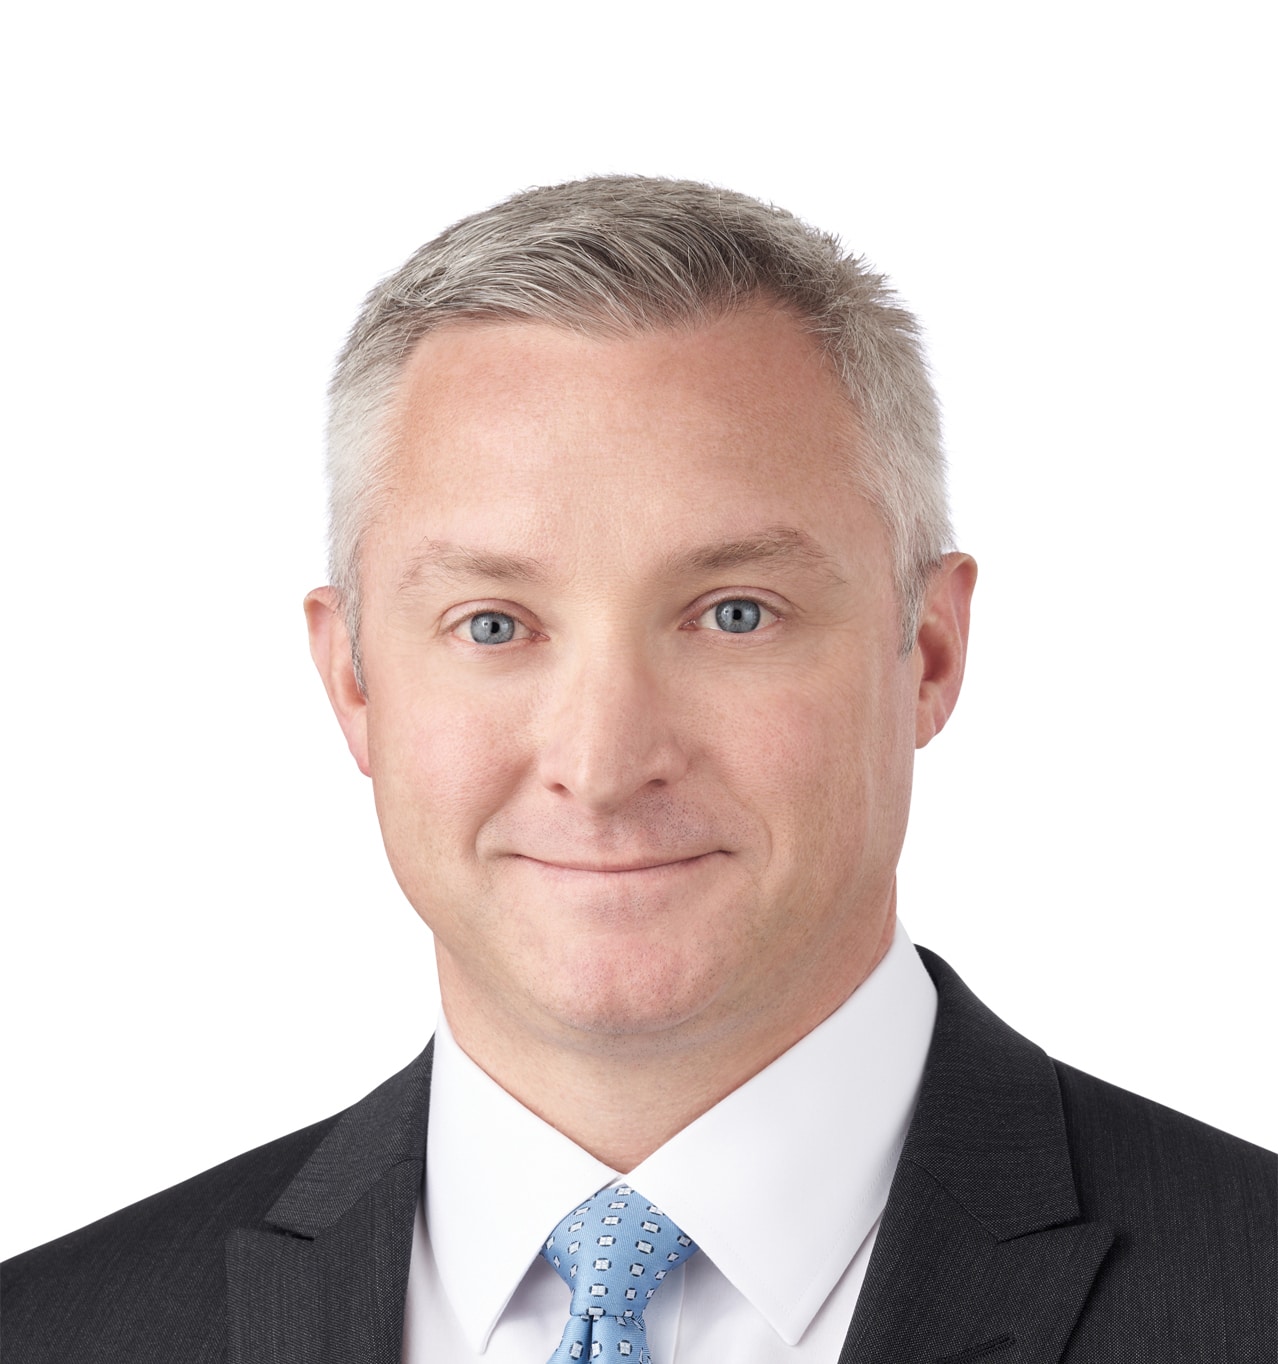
[[781, 1184]]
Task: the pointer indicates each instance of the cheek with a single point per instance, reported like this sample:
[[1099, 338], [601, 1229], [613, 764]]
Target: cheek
[[831, 767], [440, 768]]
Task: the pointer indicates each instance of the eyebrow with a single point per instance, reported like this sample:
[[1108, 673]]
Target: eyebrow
[[443, 558], [773, 544]]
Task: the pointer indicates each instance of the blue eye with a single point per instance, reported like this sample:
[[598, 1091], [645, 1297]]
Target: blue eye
[[738, 616], [492, 627]]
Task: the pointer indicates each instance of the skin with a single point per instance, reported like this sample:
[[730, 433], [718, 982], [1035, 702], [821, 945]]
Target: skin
[[645, 844]]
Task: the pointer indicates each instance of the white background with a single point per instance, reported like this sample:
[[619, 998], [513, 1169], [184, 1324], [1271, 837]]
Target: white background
[[204, 947]]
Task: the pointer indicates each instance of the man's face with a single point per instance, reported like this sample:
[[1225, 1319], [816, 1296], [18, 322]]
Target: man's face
[[637, 719]]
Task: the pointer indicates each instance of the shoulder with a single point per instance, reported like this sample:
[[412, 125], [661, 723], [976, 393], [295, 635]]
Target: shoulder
[[1138, 1162], [1123, 1140], [1194, 1212], [1024, 1143], [148, 1282]]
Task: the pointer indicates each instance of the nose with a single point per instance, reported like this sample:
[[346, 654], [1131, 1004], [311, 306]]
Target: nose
[[610, 730]]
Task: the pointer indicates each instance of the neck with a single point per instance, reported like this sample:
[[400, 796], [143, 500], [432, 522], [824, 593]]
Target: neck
[[622, 1097]]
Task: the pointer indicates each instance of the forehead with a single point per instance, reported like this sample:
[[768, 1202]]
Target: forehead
[[731, 370], [534, 432]]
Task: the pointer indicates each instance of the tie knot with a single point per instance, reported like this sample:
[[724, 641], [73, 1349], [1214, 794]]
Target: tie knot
[[614, 1251]]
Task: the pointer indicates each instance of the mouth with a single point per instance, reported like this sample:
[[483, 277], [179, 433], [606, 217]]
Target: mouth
[[639, 867]]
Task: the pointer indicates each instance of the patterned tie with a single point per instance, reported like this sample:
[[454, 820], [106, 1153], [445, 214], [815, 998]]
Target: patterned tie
[[613, 1252]]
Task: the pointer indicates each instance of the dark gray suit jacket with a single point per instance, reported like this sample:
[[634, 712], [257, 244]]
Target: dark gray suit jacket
[[1037, 1215]]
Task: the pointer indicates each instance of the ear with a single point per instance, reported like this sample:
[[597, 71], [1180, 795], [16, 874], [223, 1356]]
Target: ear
[[331, 650], [941, 648]]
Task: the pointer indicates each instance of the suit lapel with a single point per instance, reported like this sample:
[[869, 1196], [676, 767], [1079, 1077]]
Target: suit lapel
[[981, 1253], [325, 1278]]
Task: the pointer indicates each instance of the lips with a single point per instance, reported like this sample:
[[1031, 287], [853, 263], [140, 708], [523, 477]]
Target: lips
[[657, 863]]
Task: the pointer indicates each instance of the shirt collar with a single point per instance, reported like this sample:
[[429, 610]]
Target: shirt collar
[[809, 1144], [802, 1155], [492, 1162]]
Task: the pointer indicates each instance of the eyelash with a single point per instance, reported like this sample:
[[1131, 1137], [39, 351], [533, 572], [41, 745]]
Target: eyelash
[[763, 606]]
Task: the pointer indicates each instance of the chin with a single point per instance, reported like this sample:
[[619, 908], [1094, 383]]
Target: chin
[[642, 992]]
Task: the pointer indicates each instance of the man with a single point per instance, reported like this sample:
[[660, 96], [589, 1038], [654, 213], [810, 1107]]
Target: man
[[642, 601]]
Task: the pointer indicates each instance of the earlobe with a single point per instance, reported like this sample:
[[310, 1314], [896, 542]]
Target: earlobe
[[941, 650], [331, 650]]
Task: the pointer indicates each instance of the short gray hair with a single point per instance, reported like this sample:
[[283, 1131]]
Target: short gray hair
[[616, 255]]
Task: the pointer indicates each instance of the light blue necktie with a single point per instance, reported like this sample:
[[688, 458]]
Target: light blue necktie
[[614, 1252]]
